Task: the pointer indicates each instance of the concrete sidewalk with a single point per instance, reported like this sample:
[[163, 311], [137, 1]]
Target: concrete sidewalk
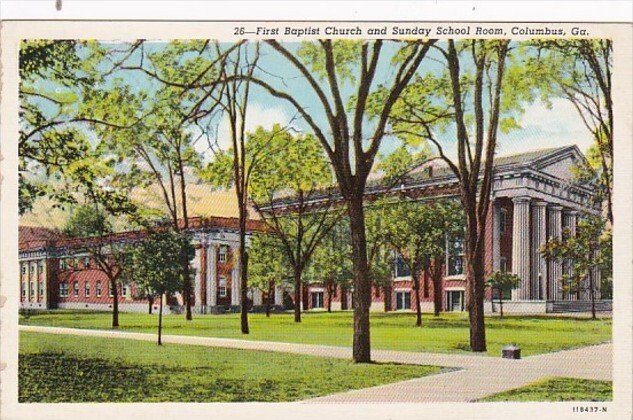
[[476, 376]]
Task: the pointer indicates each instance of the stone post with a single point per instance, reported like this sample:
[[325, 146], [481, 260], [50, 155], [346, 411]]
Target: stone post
[[197, 279], [521, 246], [496, 237], [279, 295], [555, 271], [212, 274], [235, 276], [569, 222], [539, 238]]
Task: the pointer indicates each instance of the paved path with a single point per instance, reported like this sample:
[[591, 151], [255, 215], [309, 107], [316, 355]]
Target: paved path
[[474, 376]]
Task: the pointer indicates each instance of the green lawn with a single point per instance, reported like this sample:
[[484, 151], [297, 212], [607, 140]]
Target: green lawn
[[395, 331], [61, 368], [558, 389]]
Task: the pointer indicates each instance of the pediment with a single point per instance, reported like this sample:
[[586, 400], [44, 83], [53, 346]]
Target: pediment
[[561, 165]]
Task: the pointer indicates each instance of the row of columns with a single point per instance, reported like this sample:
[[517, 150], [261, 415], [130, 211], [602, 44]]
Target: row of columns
[[534, 222], [211, 282]]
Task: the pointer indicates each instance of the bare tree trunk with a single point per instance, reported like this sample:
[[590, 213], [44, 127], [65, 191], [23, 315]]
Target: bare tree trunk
[[362, 287], [150, 300], [437, 286], [243, 281], [160, 320], [344, 299], [330, 291], [268, 296], [415, 276], [475, 279], [115, 303], [592, 294], [297, 281], [387, 296]]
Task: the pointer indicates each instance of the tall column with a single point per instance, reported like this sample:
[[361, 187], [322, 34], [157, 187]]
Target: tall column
[[235, 276], [279, 295], [555, 267], [539, 238], [569, 222], [257, 297], [496, 236], [212, 275], [197, 279], [521, 247]]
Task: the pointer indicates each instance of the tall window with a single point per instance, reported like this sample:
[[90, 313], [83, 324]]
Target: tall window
[[503, 221], [98, 288], [455, 255], [86, 262], [87, 288], [76, 289], [23, 289], [401, 269], [223, 254], [63, 289], [40, 266], [111, 290], [317, 299], [31, 288], [23, 269], [222, 287], [63, 264], [403, 300], [503, 264], [41, 287]]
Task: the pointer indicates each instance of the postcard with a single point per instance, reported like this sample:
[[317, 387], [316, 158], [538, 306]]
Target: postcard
[[343, 218]]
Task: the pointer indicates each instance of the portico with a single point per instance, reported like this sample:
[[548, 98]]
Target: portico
[[543, 201]]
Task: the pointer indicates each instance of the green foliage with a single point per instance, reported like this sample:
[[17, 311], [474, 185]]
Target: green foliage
[[503, 281], [331, 263], [346, 53], [558, 389], [62, 369], [267, 262], [155, 262], [589, 248], [87, 220], [417, 230], [448, 333]]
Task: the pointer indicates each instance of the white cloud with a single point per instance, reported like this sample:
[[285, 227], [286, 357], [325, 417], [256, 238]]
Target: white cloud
[[256, 115], [542, 127]]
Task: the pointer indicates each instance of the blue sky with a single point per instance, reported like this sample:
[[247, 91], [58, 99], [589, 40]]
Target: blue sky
[[540, 127]]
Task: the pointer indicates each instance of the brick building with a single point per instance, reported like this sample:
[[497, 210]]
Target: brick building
[[533, 198]]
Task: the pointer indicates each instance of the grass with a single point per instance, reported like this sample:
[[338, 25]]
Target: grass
[[558, 389], [62, 368], [448, 333]]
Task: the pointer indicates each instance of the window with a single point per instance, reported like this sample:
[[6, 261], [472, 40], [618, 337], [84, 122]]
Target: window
[[63, 289], [317, 299], [23, 269], [87, 289], [63, 264], [40, 265], [32, 270], [401, 268], [503, 221], [111, 291], [222, 287], [503, 264], [98, 288], [124, 291], [23, 289], [76, 289], [31, 288], [403, 300], [86, 262], [41, 284], [223, 254], [455, 255]]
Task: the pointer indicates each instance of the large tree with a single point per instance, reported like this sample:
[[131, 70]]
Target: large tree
[[579, 70], [588, 252], [417, 231], [330, 68], [480, 92], [286, 182], [267, 266], [155, 264]]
